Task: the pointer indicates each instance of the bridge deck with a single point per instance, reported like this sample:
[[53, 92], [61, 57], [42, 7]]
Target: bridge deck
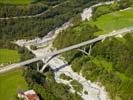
[[17, 65]]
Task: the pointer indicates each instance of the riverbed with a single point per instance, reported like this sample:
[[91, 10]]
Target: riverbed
[[59, 65]]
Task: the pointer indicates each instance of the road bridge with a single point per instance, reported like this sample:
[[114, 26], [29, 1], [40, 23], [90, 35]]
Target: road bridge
[[76, 46]]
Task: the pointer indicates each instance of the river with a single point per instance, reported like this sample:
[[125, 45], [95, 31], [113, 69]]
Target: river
[[59, 65]]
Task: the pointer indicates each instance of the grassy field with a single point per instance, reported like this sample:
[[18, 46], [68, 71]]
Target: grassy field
[[8, 56], [15, 1], [115, 20], [10, 82]]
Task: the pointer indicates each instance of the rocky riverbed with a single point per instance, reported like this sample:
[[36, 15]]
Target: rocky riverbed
[[59, 65]]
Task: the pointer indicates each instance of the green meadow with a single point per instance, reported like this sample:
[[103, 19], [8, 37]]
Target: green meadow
[[15, 1], [9, 84], [113, 21], [8, 56]]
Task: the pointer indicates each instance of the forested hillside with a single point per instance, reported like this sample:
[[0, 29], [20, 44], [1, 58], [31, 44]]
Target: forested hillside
[[11, 10], [55, 14], [46, 86], [110, 62]]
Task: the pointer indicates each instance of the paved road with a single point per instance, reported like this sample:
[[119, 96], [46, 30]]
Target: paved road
[[102, 37]]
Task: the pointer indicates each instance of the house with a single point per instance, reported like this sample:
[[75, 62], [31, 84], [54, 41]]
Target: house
[[28, 95]]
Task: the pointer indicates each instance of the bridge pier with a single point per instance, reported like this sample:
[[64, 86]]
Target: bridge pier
[[103, 39], [46, 63], [41, 70], [90, 50], [38, 67], [84, 50], [92, 41]]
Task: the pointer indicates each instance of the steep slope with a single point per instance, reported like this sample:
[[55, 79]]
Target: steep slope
[[110, 62]]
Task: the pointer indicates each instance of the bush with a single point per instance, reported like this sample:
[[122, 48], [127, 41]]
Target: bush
[[65, 77], [77, 86], [33, 47]]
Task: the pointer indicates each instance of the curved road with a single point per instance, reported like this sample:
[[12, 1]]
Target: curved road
[[102, 37], [37, 15]]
